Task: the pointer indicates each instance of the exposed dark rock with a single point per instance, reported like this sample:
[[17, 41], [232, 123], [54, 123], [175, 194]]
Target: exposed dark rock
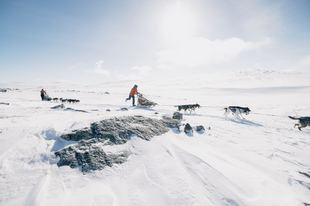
[[200, 128], [76, 110], [108, 110], [80, 110], [77, 135], [306, 174], [171, 123], [4, 103], [188, 128], [89, 156], [7, 89], [177, 115], [124, 109], [62, 106], [58, 106], [117, 130]]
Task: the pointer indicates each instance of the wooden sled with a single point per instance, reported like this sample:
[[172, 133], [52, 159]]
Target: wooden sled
[[144, 102]]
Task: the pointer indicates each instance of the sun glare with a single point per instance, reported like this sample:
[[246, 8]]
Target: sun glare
[[178, 23]]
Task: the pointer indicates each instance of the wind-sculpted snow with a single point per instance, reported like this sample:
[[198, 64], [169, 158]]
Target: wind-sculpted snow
[[262, 160], [89, 154]]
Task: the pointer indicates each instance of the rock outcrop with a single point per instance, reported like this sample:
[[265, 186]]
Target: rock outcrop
[[89, 153], [188, 128], [61, 106], [177, 115], [200, 128]]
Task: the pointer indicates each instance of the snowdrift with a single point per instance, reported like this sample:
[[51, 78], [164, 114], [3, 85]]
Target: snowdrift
[[260, 160]]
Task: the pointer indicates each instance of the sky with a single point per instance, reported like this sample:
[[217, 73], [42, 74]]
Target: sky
[[92, 42]]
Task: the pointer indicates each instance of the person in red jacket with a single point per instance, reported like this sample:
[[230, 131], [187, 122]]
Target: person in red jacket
[[132, 93], [42, 94]]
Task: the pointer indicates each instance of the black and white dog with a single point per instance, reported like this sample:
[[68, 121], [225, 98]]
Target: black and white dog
[[188, 107], [237, 111], [302, 122]]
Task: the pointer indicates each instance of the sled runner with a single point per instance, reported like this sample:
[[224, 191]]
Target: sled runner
[[144, 102]]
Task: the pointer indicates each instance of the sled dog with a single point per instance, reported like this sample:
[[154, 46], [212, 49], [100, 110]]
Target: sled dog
[[302, 122], [189, 107], [237, 111]]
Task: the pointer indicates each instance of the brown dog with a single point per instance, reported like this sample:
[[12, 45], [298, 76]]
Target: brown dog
[[302, 122]]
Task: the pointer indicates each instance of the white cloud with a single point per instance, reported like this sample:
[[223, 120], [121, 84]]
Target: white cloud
[[99, 70], [77, 66], [143, 70], [197, 52], [140, 73], [123, 77], [257, 64], [165, 67]]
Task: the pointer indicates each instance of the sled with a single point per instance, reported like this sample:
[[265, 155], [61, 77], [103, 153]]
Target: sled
[[46, 97], [144, 102]]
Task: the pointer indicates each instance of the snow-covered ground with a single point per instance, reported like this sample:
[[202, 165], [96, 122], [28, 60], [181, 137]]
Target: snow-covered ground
[[258, 161]]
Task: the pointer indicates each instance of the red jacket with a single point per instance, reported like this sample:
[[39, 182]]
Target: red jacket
[[42, 91], [133, 91]]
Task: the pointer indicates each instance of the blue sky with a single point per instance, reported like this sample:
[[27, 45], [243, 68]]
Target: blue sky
[[96, 41]]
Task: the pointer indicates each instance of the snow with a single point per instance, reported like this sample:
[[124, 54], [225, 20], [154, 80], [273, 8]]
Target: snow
[[259, 160]]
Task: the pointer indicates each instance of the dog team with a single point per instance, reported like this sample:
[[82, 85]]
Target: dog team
[[45, 97], [236, 111]]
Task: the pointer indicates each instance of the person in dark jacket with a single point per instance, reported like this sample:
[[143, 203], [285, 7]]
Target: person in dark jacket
[[42, 94], [132, 93]]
